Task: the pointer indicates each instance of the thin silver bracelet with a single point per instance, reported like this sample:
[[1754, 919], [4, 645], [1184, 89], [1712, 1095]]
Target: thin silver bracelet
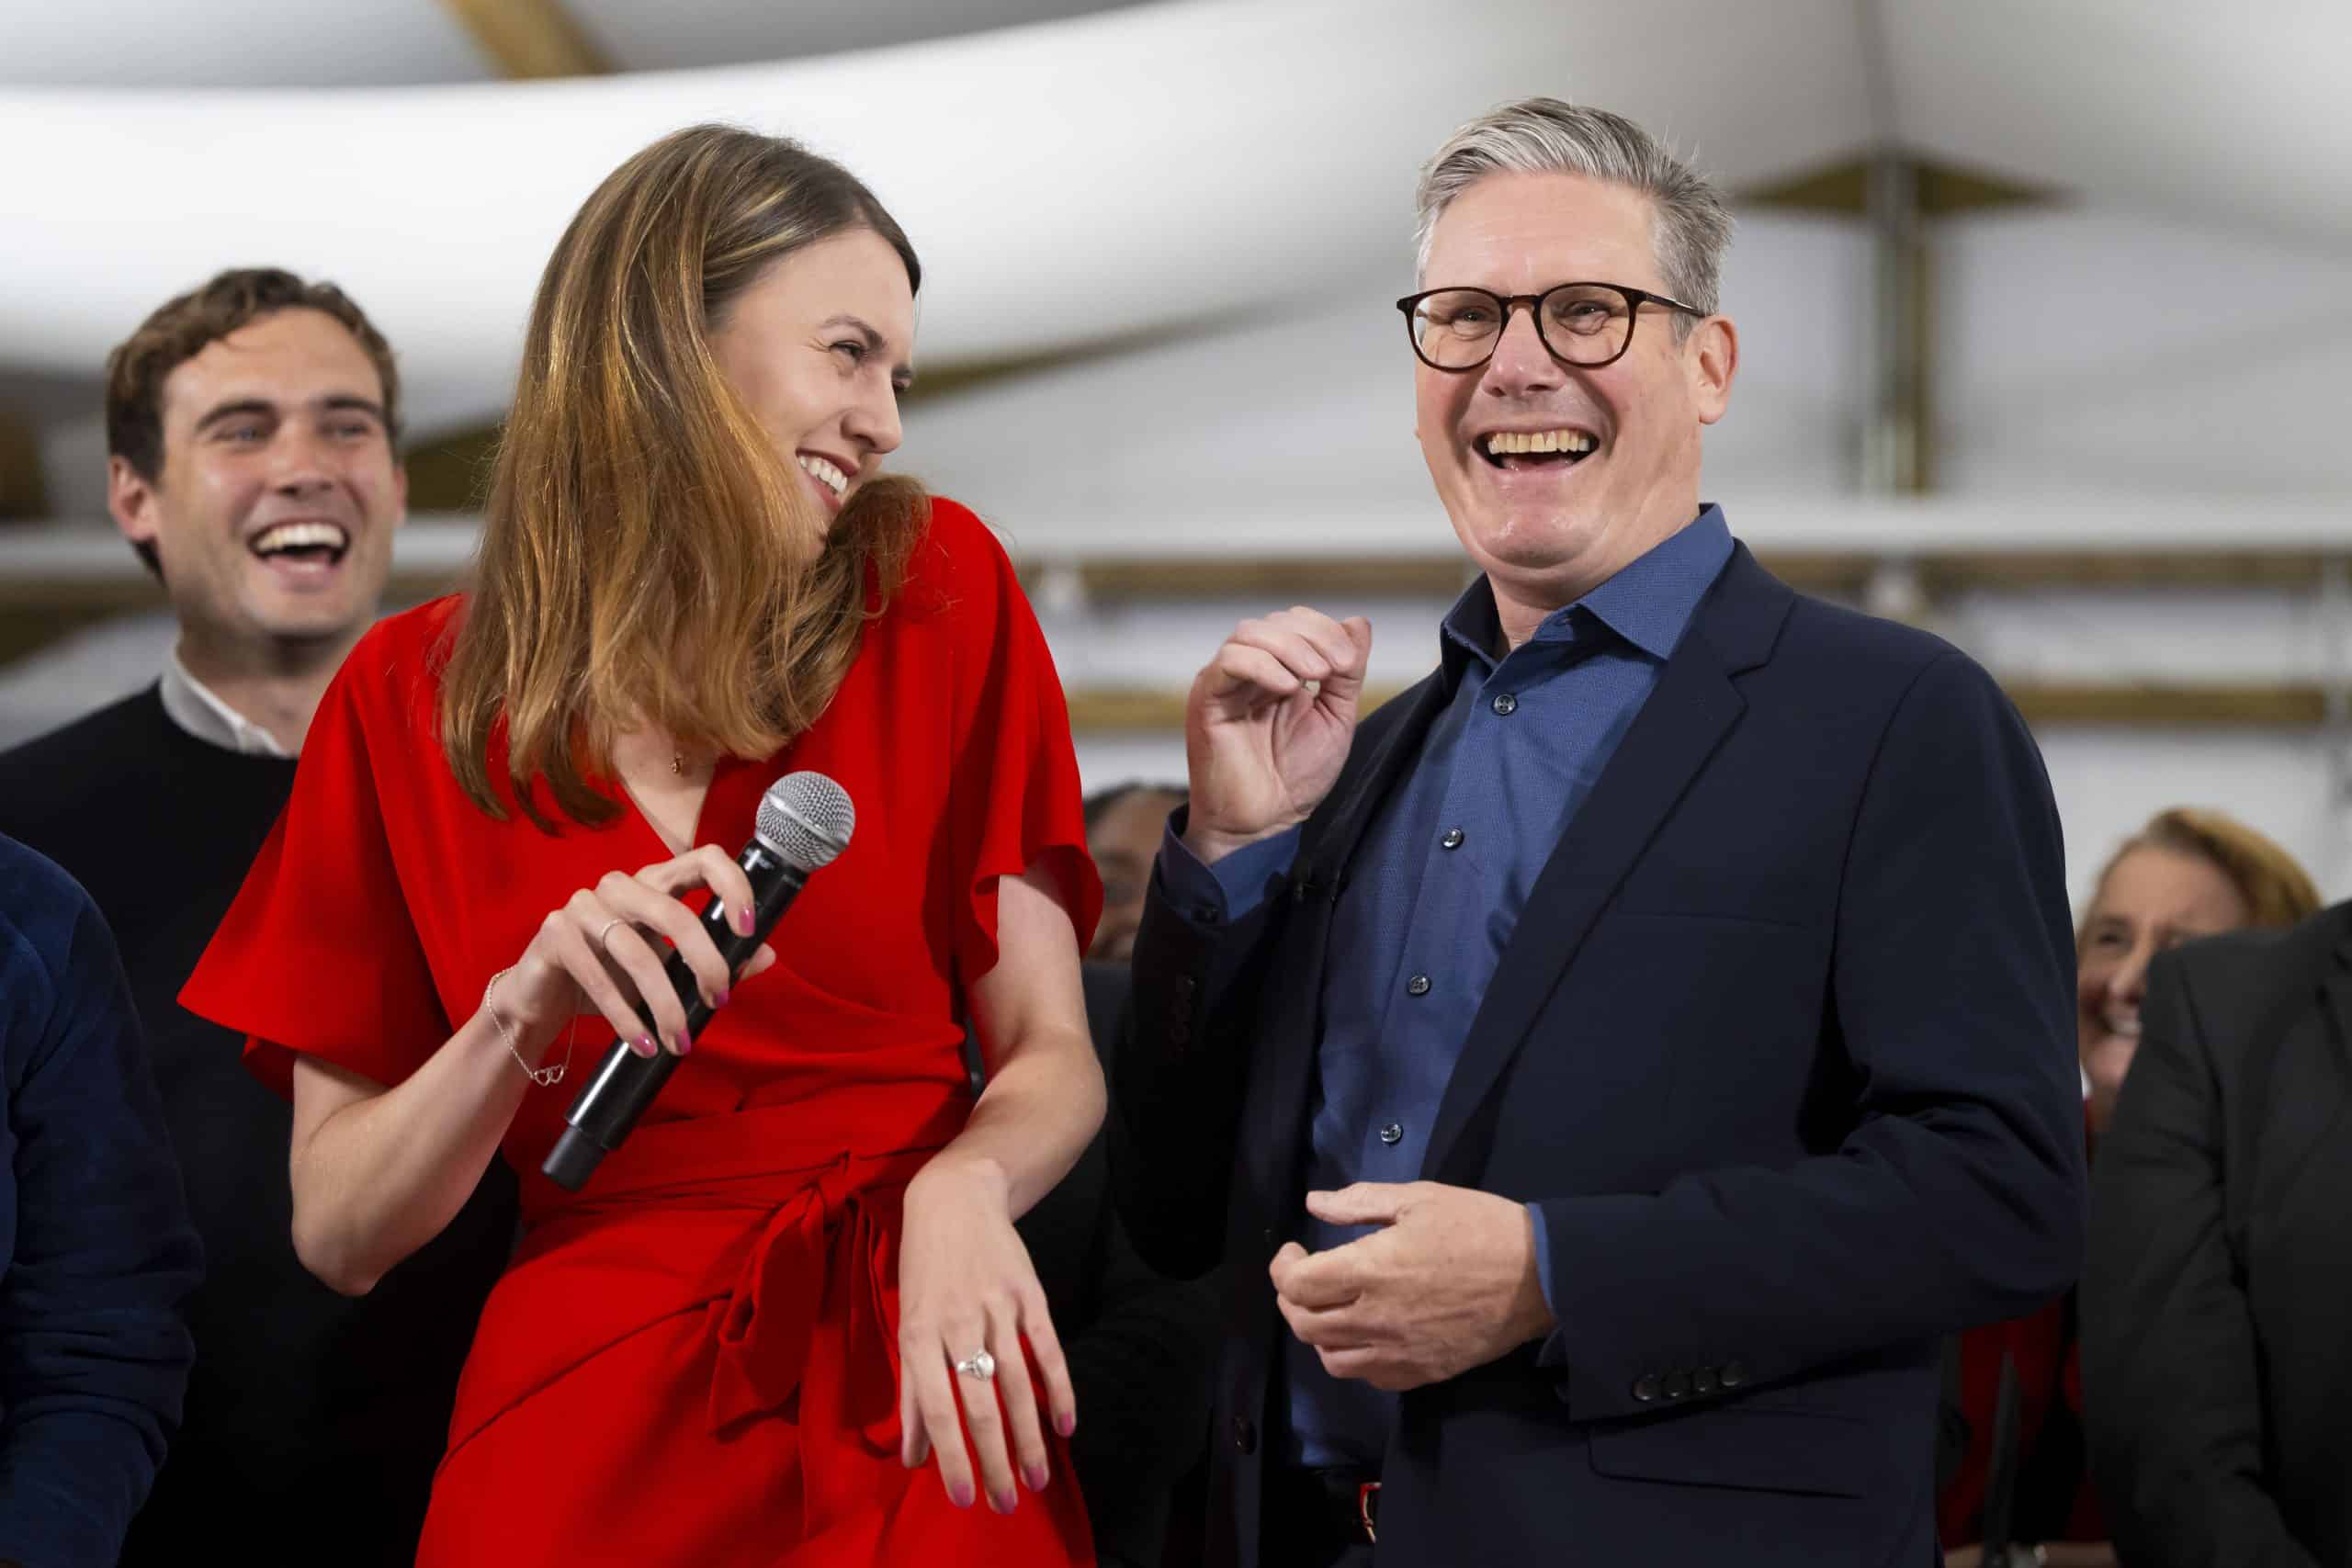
[[545, 1077]]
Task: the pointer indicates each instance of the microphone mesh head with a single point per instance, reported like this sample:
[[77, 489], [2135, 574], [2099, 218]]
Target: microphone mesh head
[[806, 819]]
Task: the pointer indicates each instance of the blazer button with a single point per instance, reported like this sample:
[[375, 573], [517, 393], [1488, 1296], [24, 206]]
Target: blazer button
[[1677, 1385], [1180, 1030], [1645, 1390], [1735, 1373], [1183, 987], [1703, 1380], [1245, 1435]]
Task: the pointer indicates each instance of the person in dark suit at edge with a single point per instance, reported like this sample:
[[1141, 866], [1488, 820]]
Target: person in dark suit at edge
[[97, 1252], [2189, 872], [2217, 1361], [1609, 1069]]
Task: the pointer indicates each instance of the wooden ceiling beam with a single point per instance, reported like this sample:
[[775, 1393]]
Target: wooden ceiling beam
[[530, 40], [1107, 710]]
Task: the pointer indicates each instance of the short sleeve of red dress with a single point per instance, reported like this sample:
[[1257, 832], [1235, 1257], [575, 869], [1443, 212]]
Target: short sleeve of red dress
[[1014, 800], [318, 955]]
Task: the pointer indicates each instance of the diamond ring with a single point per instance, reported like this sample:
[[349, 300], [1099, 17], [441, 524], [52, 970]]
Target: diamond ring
[[978, 1364]]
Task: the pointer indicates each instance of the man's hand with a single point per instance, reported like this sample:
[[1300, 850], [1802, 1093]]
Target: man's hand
[[1268, 724], [1450, 1283]]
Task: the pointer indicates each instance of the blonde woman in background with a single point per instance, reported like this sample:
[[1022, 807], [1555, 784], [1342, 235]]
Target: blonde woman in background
[[2190, 872]]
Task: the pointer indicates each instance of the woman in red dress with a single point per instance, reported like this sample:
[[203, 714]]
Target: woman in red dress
[[761, 1320]]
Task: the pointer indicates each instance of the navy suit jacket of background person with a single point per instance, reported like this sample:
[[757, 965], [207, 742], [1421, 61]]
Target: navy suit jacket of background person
[[1782, 1050]]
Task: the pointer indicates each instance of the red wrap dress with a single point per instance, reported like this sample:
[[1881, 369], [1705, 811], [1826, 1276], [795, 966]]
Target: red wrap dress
[[693, 1359]]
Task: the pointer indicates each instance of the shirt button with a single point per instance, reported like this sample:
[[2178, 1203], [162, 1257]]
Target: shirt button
[[1452, 839], [1504, 703], [1418, 985], [1393, 1134]]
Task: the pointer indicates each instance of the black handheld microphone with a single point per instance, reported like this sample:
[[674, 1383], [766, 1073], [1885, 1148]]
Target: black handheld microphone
[[805, 821]]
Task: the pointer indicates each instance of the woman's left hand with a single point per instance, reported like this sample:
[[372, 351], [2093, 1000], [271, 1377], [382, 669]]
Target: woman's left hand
[[966, 1285]]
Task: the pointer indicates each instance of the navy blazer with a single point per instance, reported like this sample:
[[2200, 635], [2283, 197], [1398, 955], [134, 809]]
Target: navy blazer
[[1783, 1047]]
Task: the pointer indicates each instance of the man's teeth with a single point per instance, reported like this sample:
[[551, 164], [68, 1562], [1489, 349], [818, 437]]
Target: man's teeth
[[1503, 443], [301, 537], [826, 473], [2124, 1024]]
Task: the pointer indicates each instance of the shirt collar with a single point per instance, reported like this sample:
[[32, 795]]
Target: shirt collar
[[1649, 602], [200, 711]]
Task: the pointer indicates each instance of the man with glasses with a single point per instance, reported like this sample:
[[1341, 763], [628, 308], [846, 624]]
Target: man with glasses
[[1611, 1067]]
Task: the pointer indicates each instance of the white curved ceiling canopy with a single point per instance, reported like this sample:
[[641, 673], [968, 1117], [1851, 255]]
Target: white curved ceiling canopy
[[1064, 182], [1094, 176]]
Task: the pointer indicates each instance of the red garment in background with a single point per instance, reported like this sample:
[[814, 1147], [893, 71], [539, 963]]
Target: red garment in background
[[693, 1359], [2050, 1386]]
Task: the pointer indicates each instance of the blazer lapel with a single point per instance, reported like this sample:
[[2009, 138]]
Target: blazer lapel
[[1693, 707], [2306, 1090]]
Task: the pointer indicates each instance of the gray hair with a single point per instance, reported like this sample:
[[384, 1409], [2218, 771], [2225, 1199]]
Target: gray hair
[[1544, 136]]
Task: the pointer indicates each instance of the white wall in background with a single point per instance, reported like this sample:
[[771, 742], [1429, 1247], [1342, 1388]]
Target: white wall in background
[[2107, 783], [2096, 347]]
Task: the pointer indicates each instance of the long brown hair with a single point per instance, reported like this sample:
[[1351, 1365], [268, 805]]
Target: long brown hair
[[635, 495], [2276, 888]]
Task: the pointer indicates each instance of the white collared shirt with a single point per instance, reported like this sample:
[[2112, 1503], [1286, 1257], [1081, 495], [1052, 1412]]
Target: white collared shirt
[[197, 709]]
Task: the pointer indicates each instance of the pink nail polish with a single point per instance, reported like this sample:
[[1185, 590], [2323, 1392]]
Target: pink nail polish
[[1037, 1476], [645, 1046], [960, 1494], [685, 1043], [1064, 1425], [720, 1000], [1004, 1501], [743, 919]]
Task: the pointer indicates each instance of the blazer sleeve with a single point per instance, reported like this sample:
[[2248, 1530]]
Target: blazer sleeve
[[94, 1346], [1956, 1196], [2172, 1395]]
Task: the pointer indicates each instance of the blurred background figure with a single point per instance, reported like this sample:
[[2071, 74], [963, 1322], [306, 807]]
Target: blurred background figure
[[1123, 825], [252, 427], [1142, 1347], [2189, 873], [2217, 1363], [97, 1256]]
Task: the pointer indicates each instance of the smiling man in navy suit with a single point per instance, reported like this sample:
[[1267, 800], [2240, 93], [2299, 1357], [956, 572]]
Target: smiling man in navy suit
[[1609, 1068]]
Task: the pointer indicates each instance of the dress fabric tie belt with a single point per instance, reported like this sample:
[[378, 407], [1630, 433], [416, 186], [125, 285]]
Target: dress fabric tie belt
[[838, 1234], [778, 1224]]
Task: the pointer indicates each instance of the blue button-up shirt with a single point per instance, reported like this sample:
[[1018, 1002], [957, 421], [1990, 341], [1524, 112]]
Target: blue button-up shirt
[[1440, 879]]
